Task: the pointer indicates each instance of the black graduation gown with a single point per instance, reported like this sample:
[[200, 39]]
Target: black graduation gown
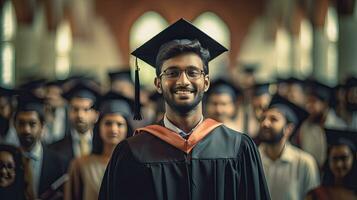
[[223, 165]]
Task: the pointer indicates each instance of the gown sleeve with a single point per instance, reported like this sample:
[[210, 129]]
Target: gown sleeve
[[253, 184], [125, 178]]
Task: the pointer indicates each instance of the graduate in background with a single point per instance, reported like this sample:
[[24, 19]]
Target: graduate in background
[[42, 165], [86, 172], [12, 179], [221, 104], [184, 156], [290, 172], [82, 115], [339, 178]]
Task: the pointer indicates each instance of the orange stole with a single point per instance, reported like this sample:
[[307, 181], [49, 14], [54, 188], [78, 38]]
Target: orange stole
[[176, 140]]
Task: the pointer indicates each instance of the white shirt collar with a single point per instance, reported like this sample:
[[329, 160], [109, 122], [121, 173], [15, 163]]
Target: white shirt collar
[[35, 153], [76, 136], [285, 155], [176, 129]]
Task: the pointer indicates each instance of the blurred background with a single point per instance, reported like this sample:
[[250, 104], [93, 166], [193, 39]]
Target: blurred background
[[55, 39]]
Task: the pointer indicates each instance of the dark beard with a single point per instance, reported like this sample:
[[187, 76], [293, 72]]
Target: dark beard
[[274, 140], [27, 141], [4, 126], [183, 109]]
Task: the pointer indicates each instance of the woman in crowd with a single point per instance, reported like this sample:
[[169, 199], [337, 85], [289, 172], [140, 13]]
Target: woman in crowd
[[339, 179], [112, 127], [12, 181]]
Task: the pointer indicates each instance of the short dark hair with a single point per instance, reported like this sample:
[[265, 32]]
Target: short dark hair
[[178, 47], [41, 115]]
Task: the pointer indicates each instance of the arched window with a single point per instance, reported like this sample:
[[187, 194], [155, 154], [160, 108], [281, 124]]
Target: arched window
[[215, 27], [7, 50], [144, 28]]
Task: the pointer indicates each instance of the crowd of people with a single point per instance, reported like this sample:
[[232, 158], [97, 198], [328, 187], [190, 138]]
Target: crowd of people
[[287, 139]]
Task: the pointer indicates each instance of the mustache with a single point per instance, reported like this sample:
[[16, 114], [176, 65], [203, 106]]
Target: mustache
[[190, 89]]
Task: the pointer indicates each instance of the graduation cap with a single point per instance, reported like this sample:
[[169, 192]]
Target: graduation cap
[[124, 75], [340, 137], [84, 90], [57, 83], [33, 84], [250, 68], [319, 90], [6, 92], [262, 88], [293, 80], [181, 31], [292, 112], [28, 102], [115, 103], [222, 86], [351, 82]]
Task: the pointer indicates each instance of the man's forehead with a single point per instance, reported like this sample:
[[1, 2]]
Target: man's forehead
[[81, 102], [275, 112], [183, 61], [27, 115]]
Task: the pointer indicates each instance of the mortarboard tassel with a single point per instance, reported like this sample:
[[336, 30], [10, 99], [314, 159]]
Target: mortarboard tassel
[[137, 111]]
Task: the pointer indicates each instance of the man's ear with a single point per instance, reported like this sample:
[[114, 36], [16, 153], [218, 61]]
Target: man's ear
[[207, 83], [288, 129], [157, 83]]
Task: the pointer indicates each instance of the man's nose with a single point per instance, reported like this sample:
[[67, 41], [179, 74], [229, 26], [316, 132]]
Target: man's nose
[[183, 79]]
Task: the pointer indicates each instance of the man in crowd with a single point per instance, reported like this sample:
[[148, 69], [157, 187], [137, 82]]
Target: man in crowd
[[290, 172], [82, 116], [221, 103], [42, 165]]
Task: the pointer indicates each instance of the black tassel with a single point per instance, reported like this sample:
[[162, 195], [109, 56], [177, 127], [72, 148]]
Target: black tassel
[[137, 109]]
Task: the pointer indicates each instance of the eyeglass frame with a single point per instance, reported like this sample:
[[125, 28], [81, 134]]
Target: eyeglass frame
[[183, 70]]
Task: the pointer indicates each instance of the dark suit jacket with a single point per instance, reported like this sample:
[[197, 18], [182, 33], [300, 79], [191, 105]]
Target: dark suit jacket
[[53, 167], [64, 148]]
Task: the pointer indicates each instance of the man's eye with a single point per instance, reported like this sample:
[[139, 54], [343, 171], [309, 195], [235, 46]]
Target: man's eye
[[172, 73], [193, 73]]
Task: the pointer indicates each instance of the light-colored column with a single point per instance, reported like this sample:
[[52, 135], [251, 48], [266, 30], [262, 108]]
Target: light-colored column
[[347, 47]]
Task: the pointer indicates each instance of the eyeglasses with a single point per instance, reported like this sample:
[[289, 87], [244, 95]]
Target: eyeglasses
[[192, 73]]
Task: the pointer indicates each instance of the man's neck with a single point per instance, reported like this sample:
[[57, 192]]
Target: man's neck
[[186, 122], [274, 151]]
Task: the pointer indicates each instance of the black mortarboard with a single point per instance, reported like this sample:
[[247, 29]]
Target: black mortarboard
[[84, 90], [33, 84], [115, 103], [250, 68], [263, 88], [222, 86], [29, 102], [6, 92], [338, 137], [57, 83], [351, 82], [180, 30], [293, 113], [319, 90], [293, 80], [124, 75]]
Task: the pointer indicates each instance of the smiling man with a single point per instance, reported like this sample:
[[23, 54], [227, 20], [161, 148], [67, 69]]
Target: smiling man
[[184, 156]]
